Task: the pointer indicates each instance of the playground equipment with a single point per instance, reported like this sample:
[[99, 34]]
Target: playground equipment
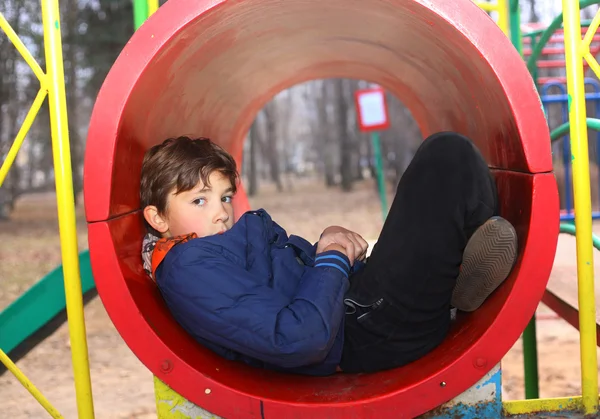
[[173, 62], [554, 45], [178, 61], [562, 100], [40, 310], [52, 84], [539, 48]]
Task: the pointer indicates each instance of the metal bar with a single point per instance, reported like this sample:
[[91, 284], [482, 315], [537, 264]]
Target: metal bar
[[530, 361], [20, 46], [66, 207], [29, 385], [565, 98], [547, 51], [584, 25], [502, 9], [515, 25], [140, 12], [591, 32], [550, 63], [529, 337], [583, 206], [592, 62], [152, 7], [564, 310], [570, 217], [16, 146], [558, 132], [558, 404], [565, 306], [543, 80], [380, 173], [549, 31], [488, 7]]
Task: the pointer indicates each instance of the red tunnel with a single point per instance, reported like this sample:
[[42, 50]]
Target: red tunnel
[[206, 67]]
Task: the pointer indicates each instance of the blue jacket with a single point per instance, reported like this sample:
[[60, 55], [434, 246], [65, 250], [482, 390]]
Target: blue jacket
[[256, 295]]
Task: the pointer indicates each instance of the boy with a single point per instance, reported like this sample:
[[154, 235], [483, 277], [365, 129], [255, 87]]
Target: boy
[[249, 292]]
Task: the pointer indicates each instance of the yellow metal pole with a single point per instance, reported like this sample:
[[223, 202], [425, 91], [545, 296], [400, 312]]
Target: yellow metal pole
[[503, 15], [152, 7], [583, 208], [488, 7], [587, 40], [29, 385], [20, 46], [14, 149], [500, 7], [66, 206]]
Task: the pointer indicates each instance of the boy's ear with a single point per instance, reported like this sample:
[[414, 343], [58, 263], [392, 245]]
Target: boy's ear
[[155, 220]]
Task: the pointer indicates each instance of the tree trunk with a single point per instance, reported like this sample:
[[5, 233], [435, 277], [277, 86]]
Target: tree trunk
[[270, 112], [324, 134], [12, 106], [252, 169], [344, 139], [534, 17]]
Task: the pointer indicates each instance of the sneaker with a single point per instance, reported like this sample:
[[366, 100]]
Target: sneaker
[[489, 256]]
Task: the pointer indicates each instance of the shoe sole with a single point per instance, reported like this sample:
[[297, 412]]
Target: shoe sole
[[488, 259]]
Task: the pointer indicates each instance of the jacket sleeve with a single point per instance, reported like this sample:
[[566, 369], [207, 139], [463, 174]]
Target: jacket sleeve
[[219, 301]]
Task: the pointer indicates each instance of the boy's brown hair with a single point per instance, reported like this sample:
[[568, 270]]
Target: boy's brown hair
[[178, 164]]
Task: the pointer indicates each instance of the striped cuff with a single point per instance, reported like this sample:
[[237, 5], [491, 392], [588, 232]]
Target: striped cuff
[[334, 259]]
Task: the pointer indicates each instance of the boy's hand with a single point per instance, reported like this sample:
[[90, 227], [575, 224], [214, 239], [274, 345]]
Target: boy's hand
[[353, 245]]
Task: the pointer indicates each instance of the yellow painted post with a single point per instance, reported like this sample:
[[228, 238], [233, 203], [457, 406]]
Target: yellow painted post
[[535, 406], [66, 206], [4, 359], [500, 7], [152, 6], [20, 46], [574, 52], [172, 405], [503, 15], [14, 149]]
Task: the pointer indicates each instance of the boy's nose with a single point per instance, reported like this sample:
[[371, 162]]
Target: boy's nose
[[222, 214]]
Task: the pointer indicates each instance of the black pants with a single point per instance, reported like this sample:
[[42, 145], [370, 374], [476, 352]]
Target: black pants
[[399, 303]]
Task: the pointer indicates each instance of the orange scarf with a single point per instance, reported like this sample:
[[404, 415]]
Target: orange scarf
[[164, 245]]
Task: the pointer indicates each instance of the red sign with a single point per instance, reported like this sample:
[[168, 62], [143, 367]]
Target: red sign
[[372, 109]]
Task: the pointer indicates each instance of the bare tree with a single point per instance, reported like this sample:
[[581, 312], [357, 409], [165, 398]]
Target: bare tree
[[10, 103], [270, 113], [534, 16], [254, 139], [341, 87]]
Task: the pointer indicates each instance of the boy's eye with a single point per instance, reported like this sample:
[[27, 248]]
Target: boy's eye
[[199, 201], [227, 199]]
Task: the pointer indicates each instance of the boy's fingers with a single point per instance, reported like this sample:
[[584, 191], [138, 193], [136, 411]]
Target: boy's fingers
[[358, 247], [351, 249], [361, 244], [365, 246], [343, 241]]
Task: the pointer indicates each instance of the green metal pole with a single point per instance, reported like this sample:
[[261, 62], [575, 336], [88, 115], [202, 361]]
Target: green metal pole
[[380, 175], [530, 353], [530, 361], [140, 12], [515, 25]]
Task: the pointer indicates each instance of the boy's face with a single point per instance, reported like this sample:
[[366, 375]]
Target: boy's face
[[202, 210]]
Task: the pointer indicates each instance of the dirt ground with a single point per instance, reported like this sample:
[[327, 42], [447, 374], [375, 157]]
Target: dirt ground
[[123, 387]]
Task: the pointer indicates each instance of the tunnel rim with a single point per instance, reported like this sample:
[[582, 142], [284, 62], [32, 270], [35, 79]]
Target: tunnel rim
[[140, 39]]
